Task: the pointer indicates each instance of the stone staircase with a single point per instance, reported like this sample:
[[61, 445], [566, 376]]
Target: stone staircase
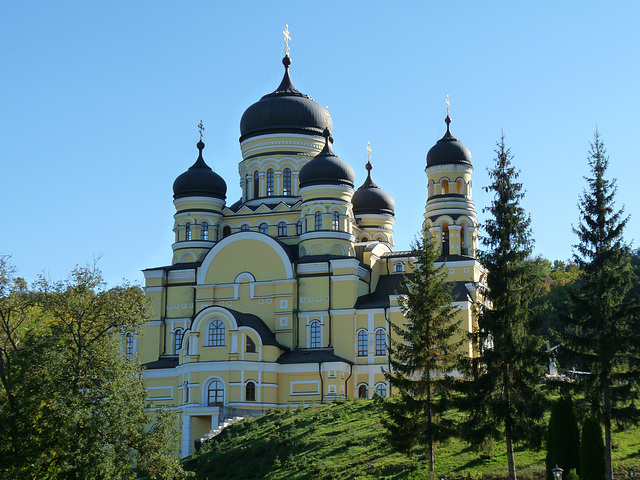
[[227, 417]]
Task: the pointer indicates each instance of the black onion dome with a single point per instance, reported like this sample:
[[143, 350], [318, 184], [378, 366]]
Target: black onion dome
[[326, 168], [448, 150], [370, 198], [200, 181], [286, 110]]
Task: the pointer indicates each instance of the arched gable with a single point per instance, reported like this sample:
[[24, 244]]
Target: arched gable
[[251, 252]]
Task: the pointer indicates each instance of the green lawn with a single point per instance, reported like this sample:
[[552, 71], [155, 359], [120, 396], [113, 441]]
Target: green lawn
[[346, 441]]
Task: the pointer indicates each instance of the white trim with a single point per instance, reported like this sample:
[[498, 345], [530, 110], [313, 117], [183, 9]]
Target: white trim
[[315, 234], [211, 255], [304, 382], [148, 274], [168, 387], [192, 244]]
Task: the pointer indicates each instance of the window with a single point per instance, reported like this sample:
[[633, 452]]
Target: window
[[318, 221], [365, 239], [270, 182], [178, 335], [459, 186], [246, 187], [399, 267], [362, 343], [282, 229], [315, 335], [226, 231], [299, 227], [129, 344], [381, 343], [215, 394], [250, 392], [444, 184], [362, 391], [335, 223], [256, 184], [244, 228], [250, 346], [216, 334], [286, 182], [187, 234], [264, 228], [204, 231], [381, 389]]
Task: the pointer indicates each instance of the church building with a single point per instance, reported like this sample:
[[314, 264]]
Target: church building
[[286, 296]]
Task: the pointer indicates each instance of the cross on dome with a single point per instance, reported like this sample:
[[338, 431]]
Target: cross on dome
[[287, 38], [201, 128]]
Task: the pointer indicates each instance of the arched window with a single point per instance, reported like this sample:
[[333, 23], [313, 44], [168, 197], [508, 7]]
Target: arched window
[[244, 228], [444, 184], [318, 221], [226, 231], [204, 231], [270, 182], [286, 181], [463, 243], [282, 229], [215, 394], [250, 345], [362, 343], [215, 337], [315, 335], [250, 392], [459, 185], [381, 342], [187, 232], [381, 389], [365, 239], [335, 222], [246, 187], [264, 228], [256, 184], [399, 267], [362, 391], [178, 335], [129, 344], [299, 227], [445, 239], [431, 188]]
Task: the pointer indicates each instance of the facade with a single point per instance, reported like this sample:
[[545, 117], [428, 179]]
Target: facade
[[286, 296]]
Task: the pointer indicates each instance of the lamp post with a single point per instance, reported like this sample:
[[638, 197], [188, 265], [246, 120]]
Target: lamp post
[[557, 473]]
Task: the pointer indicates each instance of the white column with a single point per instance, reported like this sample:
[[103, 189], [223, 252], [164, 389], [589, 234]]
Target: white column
[[186, 435]]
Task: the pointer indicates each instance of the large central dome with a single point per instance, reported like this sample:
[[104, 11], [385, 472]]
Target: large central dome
[[286, 110]]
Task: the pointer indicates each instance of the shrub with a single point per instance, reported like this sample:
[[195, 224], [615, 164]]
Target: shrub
[[592, 465], [563, 437]]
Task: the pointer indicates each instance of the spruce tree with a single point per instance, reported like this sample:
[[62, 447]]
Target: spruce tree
[[422, 354], [563, 437], [502, 398], [601, 329]]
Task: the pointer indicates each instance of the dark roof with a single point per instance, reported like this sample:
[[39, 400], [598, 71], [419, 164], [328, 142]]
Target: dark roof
[[255, 322], [166, 362], [390, 285], [387, 285], [460, 293], [454, 258], [370, 198], [286, 110], [177, 266], [311, 355], [326, 168], [448, 150], [200, 181]]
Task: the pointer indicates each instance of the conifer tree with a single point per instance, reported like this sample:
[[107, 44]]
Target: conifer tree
[[601, 329], [502, 398], [421, 357], [592, 457], [563, 437]]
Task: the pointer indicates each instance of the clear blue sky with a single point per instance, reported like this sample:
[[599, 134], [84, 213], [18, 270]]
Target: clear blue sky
[[100, 102]]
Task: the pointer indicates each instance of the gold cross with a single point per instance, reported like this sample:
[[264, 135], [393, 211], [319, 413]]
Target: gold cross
[[326, 115], [286, 40], [369, 151], [201, 128], [448, 105]]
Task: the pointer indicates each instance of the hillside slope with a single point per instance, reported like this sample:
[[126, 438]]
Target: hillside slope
[[346, 441]]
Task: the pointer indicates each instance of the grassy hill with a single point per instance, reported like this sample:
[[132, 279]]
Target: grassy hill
[[346, 441]]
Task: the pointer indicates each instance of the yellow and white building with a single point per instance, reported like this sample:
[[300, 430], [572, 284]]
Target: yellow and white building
[[286, 296]]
